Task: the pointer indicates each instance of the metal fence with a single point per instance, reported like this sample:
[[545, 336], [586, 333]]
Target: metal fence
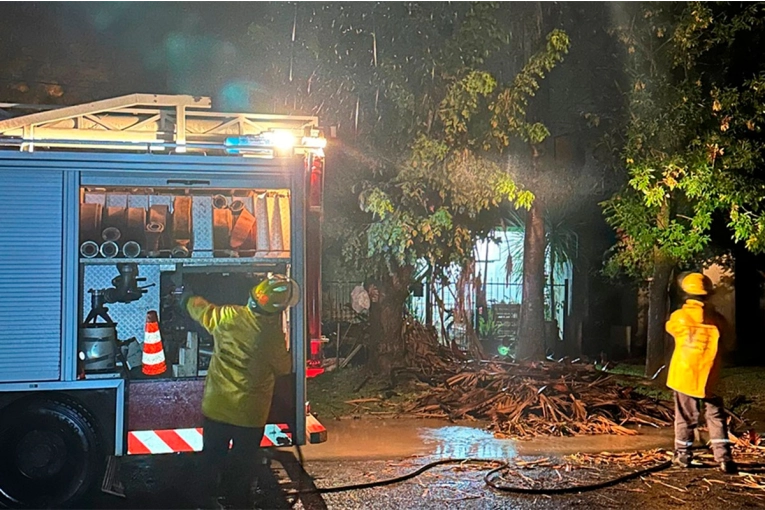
[[336, 300]]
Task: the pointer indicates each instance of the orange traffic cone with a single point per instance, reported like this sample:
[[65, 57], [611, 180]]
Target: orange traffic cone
[[153, 354]]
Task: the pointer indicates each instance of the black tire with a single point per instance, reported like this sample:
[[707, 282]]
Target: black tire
[[50, 453]]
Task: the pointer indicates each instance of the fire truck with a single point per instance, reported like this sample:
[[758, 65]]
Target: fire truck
[[105, 209]]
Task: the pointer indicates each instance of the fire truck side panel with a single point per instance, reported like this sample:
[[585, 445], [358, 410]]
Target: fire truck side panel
[[39, 263], [31, 214]]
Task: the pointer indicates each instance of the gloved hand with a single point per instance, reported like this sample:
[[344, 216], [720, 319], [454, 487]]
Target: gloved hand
[[182, 294]]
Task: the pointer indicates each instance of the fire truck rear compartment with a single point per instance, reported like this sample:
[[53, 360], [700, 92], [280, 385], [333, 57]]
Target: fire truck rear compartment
[[218, 242]]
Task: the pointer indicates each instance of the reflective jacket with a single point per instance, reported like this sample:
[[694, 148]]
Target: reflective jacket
[[249, 353], [694, 368]]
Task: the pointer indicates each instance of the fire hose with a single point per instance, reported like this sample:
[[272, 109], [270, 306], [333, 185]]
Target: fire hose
[[489, 478]]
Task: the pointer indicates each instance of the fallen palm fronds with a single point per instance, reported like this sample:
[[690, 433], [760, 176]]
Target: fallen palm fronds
[[525, 399]]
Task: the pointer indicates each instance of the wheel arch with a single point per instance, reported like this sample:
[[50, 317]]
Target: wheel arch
[[97, 405]]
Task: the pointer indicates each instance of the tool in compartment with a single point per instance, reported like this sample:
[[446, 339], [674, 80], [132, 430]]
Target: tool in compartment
[[155, 229], [182, 227], [98, 343], [89, 249], [109, 249]]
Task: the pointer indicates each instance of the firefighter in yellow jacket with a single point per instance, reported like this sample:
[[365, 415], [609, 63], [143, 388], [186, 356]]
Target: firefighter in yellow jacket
[[250, 352], [693, 373]]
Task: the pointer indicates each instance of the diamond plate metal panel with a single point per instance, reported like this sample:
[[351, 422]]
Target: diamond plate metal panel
[[130, 317], [201, 212], [116, 200], [138, 201], [95, 198], [161, 200]]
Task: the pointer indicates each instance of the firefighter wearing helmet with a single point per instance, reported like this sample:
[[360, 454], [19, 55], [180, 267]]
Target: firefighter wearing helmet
[[694, 370], [249, 354]]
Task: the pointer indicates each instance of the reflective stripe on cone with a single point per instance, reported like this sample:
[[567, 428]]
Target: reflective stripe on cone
[[153, 359]]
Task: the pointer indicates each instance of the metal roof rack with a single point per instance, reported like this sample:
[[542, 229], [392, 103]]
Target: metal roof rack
[[177, 123]]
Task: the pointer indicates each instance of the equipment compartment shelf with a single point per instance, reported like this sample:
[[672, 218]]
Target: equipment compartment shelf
[[193, 261]]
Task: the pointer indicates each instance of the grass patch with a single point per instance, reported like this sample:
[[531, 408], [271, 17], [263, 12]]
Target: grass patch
[[742, 388], [329, 392], [624, 369], [746, 381], [637, 380]]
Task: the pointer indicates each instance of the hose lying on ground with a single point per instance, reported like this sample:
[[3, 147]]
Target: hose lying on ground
[[572, 489]]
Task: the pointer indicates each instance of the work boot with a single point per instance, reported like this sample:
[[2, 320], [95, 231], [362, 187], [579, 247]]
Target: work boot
[[682, 460], [729, 467]]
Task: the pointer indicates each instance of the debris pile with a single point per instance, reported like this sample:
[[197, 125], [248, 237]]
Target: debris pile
[[634, 459], [526, 399]]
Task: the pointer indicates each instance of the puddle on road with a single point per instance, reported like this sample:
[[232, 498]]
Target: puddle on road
[[398, 438], [456, 441]]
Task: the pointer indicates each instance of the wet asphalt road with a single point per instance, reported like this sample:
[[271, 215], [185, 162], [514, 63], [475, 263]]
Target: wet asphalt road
[[363, 452], [167, 482]]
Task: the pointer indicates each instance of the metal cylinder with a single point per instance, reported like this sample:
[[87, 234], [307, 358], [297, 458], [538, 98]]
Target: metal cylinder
[[109, 249], [111, 234], [236, 206], [89, 249], [180, 251], [131, 250], [98, 346], [153, 235], [90, 222], [219, 202]]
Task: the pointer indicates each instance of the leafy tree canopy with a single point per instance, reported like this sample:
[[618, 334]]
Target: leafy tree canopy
[[692, 141], [427, 97]]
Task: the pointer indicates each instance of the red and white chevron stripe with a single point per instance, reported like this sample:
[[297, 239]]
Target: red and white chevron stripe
[[149, 442]]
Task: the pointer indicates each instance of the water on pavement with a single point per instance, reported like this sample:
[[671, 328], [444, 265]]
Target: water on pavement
[[397, 438]]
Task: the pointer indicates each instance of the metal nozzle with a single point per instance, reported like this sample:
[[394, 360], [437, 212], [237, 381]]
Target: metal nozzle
[[109, 249], [111, 234], [219, 202], [131, 250], [156, 228], [180, 251], [236, 206], [89, 249]]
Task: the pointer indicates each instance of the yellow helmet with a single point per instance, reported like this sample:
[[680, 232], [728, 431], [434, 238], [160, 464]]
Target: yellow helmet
[[274, 295], [696, 284]]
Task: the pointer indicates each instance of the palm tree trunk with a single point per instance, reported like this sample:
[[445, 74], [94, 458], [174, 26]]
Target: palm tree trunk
[[553, 316], [531, 343]]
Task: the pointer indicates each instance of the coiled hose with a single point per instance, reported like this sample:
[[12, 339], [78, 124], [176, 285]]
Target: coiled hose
[[489, 479]]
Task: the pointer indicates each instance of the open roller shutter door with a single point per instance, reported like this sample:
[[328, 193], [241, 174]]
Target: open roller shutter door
[[31, 220]]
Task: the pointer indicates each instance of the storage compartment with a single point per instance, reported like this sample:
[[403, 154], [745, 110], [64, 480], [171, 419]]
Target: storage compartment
[[138, 244], [179, 223]]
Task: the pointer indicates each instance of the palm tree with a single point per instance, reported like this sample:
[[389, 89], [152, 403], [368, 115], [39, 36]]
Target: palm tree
[[561, 244]]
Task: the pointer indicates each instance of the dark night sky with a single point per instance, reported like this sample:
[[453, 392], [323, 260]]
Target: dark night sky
[[97, 50]]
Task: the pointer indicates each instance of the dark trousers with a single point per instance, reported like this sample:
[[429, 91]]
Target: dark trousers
[[687, 419], [231, 473]]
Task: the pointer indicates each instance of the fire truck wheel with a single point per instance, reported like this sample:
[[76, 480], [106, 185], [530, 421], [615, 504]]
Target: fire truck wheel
[[49, 453]]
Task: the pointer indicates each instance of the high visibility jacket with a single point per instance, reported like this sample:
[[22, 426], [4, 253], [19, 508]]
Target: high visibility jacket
[[694, 367], [250, 352]]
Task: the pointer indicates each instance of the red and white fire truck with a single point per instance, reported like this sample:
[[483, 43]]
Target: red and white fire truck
[[105, 208]]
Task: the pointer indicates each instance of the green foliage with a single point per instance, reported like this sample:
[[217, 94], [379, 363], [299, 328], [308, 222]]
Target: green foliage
[[691, 145], [489, 327], [424, 112], [509, 108], [451, 192]]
